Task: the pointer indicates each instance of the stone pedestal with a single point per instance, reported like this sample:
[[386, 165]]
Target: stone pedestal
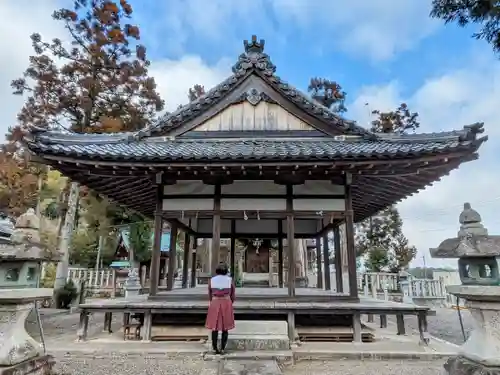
[[19, 352], [132, 284], [480, 355]]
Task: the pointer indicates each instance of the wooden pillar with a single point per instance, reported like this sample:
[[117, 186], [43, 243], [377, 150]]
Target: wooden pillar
[[326, 262], [185, 260], [163, 280], [154, 268], [290, 240], [338, 260], [192, 283], [172, 256], [232, 254], [349, 231], [280, 253], [215, 249], [319, 272]]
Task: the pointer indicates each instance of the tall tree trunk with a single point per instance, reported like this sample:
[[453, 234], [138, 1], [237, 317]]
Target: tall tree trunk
[[39, 198], [65, 238]]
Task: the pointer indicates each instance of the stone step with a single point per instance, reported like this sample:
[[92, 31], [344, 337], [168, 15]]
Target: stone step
[[258, 342], [257, 355], [281, 356], [258, 335], [250, 367]]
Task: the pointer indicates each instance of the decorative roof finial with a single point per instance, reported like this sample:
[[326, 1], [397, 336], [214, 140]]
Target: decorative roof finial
[[254, 46], [254, 58]]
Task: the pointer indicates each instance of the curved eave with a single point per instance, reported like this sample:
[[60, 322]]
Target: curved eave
[[375, 187]]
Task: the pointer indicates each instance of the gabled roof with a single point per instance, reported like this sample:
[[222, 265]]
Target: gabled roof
[[253, 61]]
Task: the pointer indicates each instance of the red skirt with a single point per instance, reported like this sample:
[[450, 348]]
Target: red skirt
[[220, 315]]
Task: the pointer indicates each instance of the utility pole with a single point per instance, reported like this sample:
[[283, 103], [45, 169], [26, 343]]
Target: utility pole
[[425, 267], [99, 251]]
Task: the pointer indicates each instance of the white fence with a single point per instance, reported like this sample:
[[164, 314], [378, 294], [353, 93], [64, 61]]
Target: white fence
[[96, 280], [371, 284]]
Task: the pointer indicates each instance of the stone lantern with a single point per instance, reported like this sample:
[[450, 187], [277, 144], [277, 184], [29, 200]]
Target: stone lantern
[[22, 253], [20, 258], [478, 256]]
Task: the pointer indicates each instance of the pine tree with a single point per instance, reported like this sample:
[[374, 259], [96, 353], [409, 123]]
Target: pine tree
[[328, 93], [464, 12], [386, 247], [100, 84], [400, 121], [381, 237]]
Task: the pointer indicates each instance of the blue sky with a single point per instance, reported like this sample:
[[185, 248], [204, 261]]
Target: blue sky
[[382, 52]]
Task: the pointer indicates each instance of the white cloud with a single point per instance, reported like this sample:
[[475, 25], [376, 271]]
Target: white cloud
[[20, 19], [377, 29], [447, 102], [175, 77], [23, 17]]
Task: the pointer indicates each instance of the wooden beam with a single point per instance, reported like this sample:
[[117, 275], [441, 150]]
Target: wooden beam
[[280, 253], [349, 232], [185, 259], [255, 196], [154, 269], [290, 241], [172, 257], [193, 263], [319, 271], [326, 262], [180, 225], [338, 260], [233, 249], [216, 230]]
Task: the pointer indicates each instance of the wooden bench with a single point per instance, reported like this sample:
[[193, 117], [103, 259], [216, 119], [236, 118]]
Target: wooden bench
[[132, 331]]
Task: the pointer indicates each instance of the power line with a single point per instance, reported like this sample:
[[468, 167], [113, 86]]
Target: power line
[[448, 209]]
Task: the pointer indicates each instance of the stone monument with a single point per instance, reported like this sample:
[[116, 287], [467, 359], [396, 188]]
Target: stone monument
[[20, 258], [478, 260]]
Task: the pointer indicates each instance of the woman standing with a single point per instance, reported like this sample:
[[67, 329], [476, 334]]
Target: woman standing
[[220, 316]]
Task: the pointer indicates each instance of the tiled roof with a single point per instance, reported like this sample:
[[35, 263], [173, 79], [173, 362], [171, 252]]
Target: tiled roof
[[116, 148], [253, 60]]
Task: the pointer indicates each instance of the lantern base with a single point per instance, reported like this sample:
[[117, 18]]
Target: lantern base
[[460, 365]]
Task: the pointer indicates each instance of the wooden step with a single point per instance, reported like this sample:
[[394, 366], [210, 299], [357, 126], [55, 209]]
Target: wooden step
[[332, 334]]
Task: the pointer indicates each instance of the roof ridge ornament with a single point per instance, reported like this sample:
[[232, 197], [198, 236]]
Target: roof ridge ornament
[[254, 58]]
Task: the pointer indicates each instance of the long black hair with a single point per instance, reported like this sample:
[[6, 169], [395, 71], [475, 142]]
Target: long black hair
[[222, 269]]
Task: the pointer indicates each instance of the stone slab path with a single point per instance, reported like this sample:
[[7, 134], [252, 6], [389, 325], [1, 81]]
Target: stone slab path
[[249, 367]]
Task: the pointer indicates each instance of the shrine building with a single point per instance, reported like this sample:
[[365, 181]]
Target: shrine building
[[256, 158]]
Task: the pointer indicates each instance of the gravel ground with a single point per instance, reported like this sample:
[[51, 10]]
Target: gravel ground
[[350, 367], [60, 328], [124, 365], [445, 325], [64, 326]]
